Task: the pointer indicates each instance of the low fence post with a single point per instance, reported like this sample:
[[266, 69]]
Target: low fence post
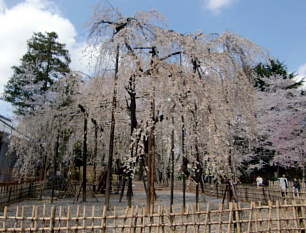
[[264, 194], [19, 191], [10, 194], [217, 190], [30, 189]]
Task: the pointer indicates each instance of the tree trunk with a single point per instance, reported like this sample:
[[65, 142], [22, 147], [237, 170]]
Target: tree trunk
[[132, 108], [122, 188], [95, 156], [184, 165], [84, 182], [172, 165], [151, 154], [129, 191], [199, 170], [112, 136], [151, 163], [55, 165], [144, 173]]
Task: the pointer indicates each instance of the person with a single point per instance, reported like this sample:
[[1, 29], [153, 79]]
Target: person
[[283, 183], [253, 180], [259, 181], [296, 186]]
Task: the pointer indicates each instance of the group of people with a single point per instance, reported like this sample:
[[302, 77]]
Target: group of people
[[283, 183]]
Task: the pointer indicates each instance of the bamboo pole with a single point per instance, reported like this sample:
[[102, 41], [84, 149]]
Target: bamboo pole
[[66, 218], [302, 216], [269, 218], [249, 225], [4, 219], [103, 220], [230, 217], [207, 219], [136, 218], [220, 209]]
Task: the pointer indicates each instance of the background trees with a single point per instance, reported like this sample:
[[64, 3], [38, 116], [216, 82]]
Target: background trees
[[46, 61], [280, 117], [272, 69]]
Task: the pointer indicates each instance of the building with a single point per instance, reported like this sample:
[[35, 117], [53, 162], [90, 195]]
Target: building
[[7, 160]]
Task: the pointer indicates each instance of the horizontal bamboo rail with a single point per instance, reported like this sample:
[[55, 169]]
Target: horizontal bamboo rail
[[274, 217]]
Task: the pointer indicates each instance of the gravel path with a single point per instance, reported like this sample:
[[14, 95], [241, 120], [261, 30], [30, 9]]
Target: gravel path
[[139, 198]]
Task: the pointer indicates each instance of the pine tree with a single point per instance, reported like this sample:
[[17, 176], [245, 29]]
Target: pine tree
[[273, 68], [46, 61]]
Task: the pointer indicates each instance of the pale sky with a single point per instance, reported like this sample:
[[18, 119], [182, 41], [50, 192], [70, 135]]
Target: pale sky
[[277, 25]]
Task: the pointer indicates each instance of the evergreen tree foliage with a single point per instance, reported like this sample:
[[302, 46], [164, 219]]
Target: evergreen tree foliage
[[273, 68], [46, 61]]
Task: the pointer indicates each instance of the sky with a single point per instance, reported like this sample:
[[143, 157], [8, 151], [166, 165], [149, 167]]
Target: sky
[[277, 25]]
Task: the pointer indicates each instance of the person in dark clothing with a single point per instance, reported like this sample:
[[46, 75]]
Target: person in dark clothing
[[296, 187]]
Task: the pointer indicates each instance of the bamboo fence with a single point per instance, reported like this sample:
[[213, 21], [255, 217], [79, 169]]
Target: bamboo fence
[[274, 217], [251, 193], [15, 192], [247, 193], [268, 211]]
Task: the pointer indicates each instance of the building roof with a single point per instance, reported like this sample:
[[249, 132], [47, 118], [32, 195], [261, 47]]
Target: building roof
[[6, 125]]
